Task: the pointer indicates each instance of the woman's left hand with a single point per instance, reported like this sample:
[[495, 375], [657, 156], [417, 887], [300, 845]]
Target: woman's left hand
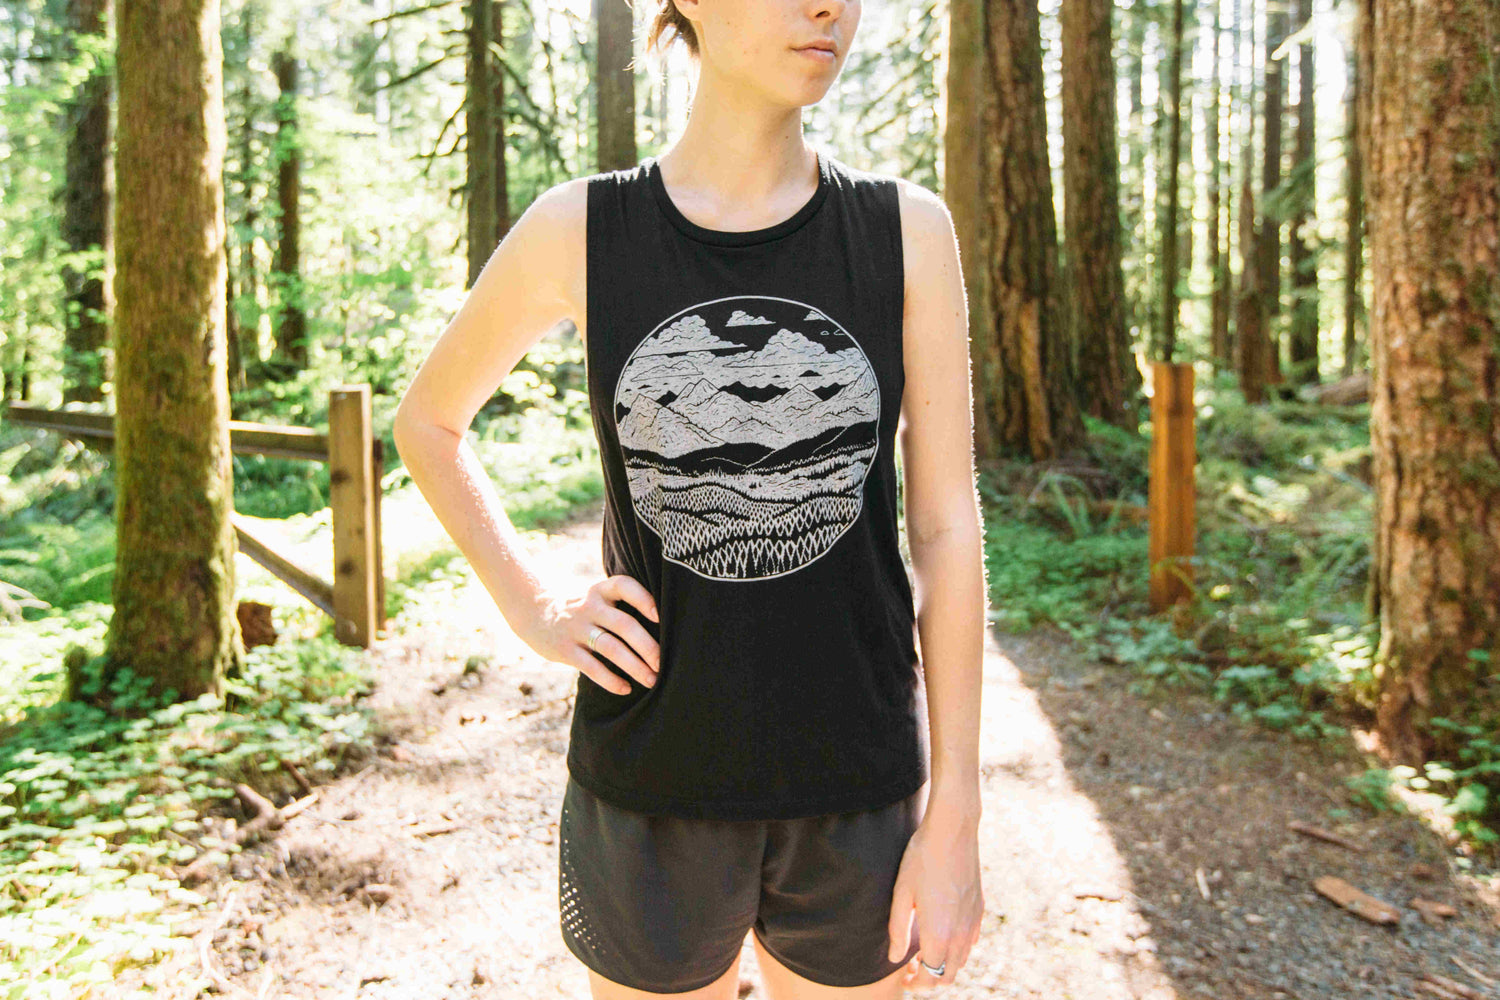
[[939, 878]]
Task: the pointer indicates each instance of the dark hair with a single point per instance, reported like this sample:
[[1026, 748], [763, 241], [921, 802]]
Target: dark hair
[[669, 18]]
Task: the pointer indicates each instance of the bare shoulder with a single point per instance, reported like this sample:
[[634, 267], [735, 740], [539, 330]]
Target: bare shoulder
[[926, 224], [928, 241], [554, 232]]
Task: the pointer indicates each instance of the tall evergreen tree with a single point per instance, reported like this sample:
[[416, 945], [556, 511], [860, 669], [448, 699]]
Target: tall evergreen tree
[[174, 615], [1434, 215], [1109, 379]]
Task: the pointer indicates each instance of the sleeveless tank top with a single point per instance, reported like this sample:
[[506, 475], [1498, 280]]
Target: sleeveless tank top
[[745, 389]]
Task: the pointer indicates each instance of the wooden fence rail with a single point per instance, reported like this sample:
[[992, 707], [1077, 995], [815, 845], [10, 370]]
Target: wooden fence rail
[[355, 598]]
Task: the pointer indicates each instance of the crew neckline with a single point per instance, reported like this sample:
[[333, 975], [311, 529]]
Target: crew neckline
[[743, 237]]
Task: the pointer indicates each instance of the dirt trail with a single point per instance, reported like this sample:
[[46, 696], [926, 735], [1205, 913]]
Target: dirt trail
[[1107, 818]]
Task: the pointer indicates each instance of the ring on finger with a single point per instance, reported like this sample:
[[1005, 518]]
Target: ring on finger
[[941, 967], [594, 634]]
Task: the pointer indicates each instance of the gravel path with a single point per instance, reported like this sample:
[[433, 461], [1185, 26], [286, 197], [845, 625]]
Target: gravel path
[[1132, 847]]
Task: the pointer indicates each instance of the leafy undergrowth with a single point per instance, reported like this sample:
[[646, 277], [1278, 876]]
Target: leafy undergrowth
[[102, 796], [1276, 628]]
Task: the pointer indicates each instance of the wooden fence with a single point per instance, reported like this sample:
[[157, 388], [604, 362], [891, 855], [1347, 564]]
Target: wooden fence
[[355, 598]]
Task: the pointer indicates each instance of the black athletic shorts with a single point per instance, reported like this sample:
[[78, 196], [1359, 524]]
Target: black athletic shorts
[[663, 903]]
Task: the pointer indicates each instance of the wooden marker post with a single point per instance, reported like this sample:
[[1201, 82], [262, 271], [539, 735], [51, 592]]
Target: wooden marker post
[[351, 477], [1174, 454]]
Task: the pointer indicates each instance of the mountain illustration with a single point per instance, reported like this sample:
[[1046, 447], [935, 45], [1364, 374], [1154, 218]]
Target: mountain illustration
[[748, 426]]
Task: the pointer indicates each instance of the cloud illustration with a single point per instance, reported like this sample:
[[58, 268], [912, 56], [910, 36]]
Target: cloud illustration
[[690, 333], [742, 318]]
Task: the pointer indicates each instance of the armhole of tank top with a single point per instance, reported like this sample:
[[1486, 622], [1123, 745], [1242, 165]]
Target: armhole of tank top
[[898, 253], [590, 267]]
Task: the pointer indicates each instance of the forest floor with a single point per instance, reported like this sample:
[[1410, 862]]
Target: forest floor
[[1132, 846]]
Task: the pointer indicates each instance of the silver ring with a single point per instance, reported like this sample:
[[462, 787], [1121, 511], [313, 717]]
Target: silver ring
[[594, 634], [936, 972]]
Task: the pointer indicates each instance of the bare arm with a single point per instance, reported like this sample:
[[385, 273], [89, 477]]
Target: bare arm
[[945, 533], [534, 279], [944, 526]]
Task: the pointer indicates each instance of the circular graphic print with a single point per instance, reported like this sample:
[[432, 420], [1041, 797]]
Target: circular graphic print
[[748, 425]]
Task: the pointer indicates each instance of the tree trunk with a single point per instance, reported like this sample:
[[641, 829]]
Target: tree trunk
[[497, 109], [1269, 240], [1171, 238], [86, 220], [1304, 338], [1434, 175], [291, 330], [174, 613], [1133, 176], [615, 84], [1028, 386], [479, 140], [964, 93], [1218, 315], [1108, 374], [1250, 346], [1354, 170]]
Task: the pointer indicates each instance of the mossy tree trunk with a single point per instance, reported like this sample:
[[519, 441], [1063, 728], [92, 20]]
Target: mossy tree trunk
[[1108, 375], [174, 614], [1434, 217]]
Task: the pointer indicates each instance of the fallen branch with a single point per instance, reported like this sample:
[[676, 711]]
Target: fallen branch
[[1359, 903], [205, 943], [267, 815], [296, 774], [1442, 986], [1321, 834]]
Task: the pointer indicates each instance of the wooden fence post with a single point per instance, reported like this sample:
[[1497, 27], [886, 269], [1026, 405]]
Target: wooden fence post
[[351, 472], [1174, 454]]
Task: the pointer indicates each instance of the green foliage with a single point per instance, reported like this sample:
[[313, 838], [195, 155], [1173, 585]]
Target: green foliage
[[1374, 788], [99, 801], [1279, 632]]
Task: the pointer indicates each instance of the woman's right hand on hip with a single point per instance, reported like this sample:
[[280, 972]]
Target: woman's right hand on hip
[[566, 621]]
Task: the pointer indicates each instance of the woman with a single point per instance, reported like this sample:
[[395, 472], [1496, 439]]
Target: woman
[[755, 747]]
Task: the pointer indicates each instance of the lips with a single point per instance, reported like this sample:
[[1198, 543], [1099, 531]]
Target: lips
[[821, 46]]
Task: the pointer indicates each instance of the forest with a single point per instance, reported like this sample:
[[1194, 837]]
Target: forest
[[1234, 329]]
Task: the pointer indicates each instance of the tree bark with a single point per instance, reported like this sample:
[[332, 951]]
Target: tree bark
[[1029, 387], [291, 330], [86, 220], [1218, 313], [1170, 237], [1434, 217], [174, 614], [1108, 374], [479, 140], [964, 95], [497, 110], [1304, 328], [615, 84], [1354, 164], [1269, 240]]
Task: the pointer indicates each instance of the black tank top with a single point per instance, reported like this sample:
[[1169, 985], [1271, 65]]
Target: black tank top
[[745, 390]]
